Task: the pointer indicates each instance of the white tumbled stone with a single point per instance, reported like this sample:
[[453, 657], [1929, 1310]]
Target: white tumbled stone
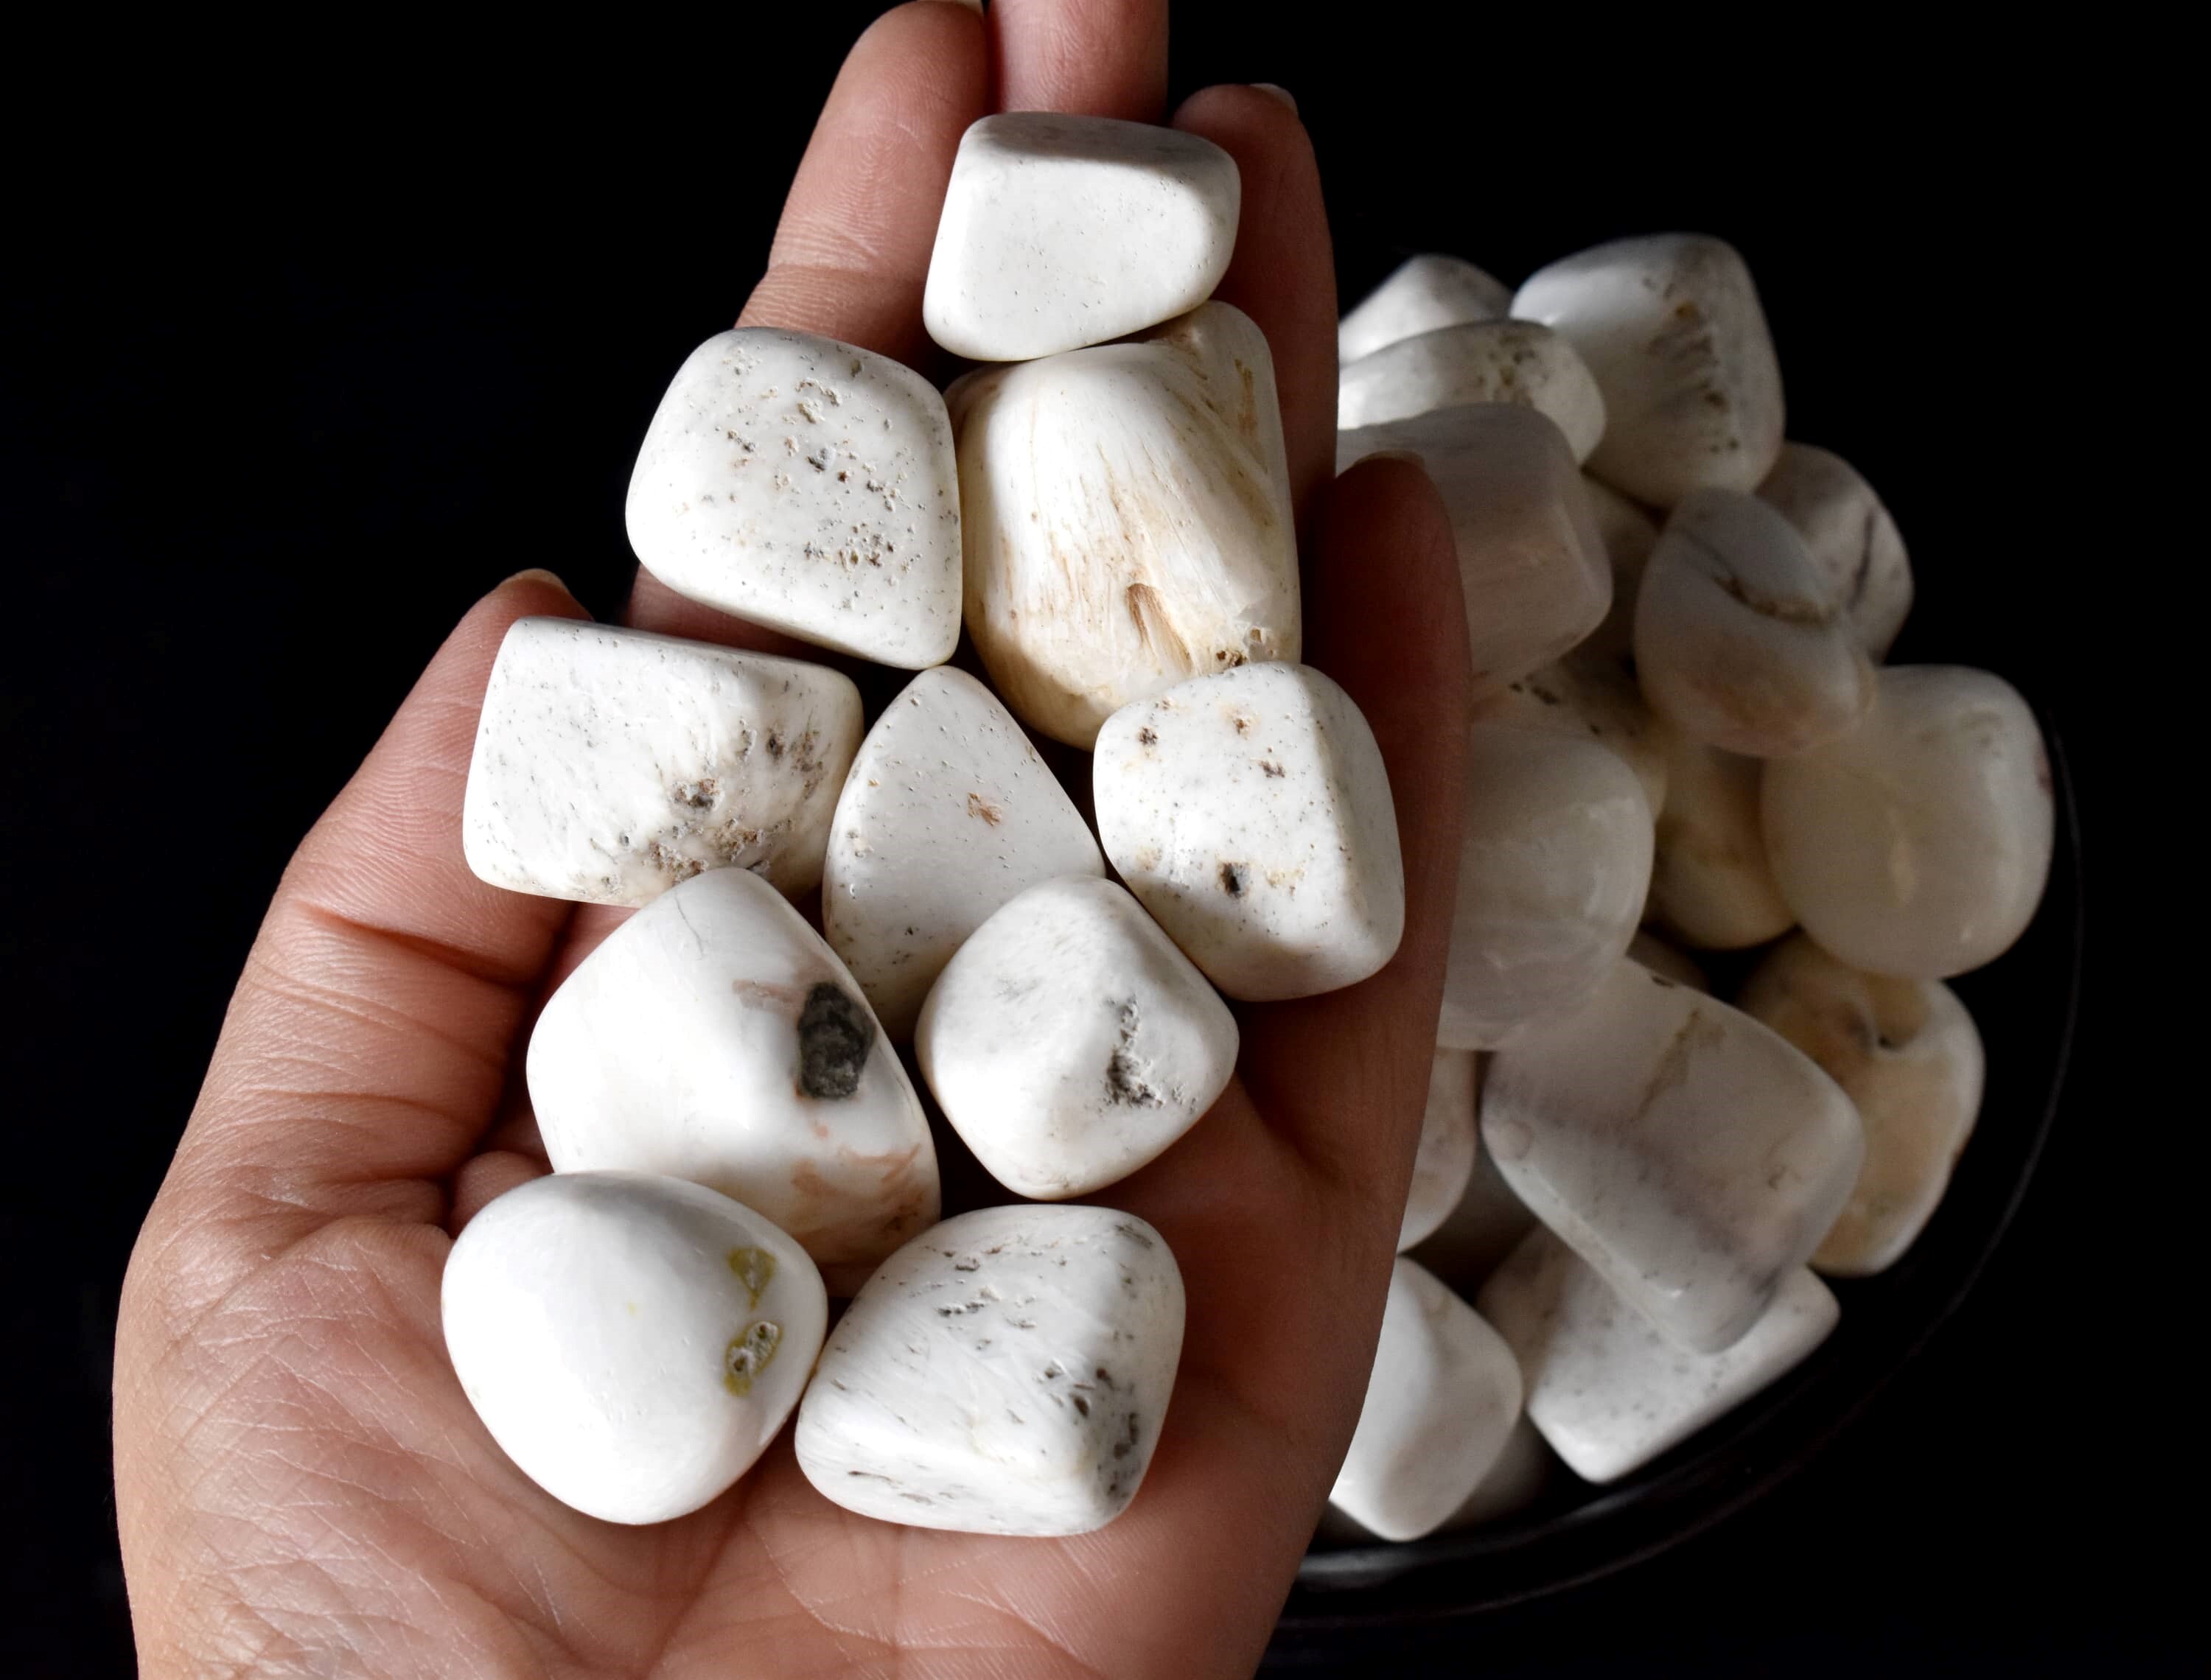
[[948, 812], [1671, 327], [1006, 1373], [1420, 294], [1854, 542], [1128, 520], [1588, 699], [1441, 1401], [1906, 1053], [1483, 361], [1663, 959], [714, 1036], [1524, 1469], [633, 1343], [1069, 1041], [611, 763], [1251, 813], [1711, 885], [1061, 231], [1919, 844], [808, 486], [1629, 533], [1739, 640], [1531, 560], [1607, 1393], [1449, 1142], [1692, 1156], [1554, 864]]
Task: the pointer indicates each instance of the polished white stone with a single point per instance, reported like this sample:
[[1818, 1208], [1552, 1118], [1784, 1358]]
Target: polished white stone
[[1531, 560], [611, 763], [1711, 885], [1006, 1373], [1606, 1390], [947, 813], [1127, 512], [1670, 325], [714, 1036], [1420, 294], [1524, 1469], [1251, 813], [1692, 1157], [1853, 541], [633, 1343], [1449, 1142], [1441, 1400], [808, 486], [1555, 864], [1060, 230], [1482, 361], [1069, 1041], [1629, 533], [1906, 1053], [1919, 844], [1588, 699], [1739, 637]]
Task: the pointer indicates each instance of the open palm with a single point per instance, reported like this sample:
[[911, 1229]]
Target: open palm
[[301, 1483]]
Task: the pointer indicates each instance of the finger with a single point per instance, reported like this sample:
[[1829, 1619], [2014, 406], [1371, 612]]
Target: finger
[[1091, 57], [368, 1043], [1283, 275], [851, 254]]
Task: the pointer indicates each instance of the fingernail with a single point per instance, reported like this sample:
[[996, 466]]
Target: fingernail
[[1280, 92], [537, 574]]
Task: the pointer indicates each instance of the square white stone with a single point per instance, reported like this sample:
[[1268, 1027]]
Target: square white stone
[[808, 486], [1692, 1157], [611, 763], [714, 1036], [1006, 1373], [1069, 1042], [1440, 1404], [1607, 1391], [1251, 813], [1061, 231], [948, 812], [1420, 294]]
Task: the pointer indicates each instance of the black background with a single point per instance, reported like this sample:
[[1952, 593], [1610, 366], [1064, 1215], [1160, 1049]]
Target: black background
[[291, 379]]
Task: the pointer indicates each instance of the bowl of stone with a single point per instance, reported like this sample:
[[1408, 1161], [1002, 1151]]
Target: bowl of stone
[[1700, 1164]]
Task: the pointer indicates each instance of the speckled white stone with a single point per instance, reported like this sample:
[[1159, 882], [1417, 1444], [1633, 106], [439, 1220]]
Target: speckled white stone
[[1711, 885], [1609, 1392], [633, 1343], [714, 1036], [1128, 519], [1918, 845], [1482, 1229], [611, 763], [1069, 1042], [809, 486], [1420, 294], [1588, 699], [1449, 1142], [1061, 231], [1554, 862], [1482, 361], [947, 813], [1441, 1401], [1629, 533], [1663, 959], [1006, 1373], [1739, 640], [1251, 813], [1692, 1156], [1906, 1053], [1531, 560], [1854, 542], [1670, 325]]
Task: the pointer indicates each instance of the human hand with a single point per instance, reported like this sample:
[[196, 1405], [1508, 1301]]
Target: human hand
[[301, 1483]]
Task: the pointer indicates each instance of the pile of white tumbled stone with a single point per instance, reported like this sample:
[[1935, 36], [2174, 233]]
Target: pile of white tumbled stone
[[1675, 620]]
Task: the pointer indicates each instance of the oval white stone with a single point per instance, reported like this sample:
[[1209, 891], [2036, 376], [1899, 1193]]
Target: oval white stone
[[1853, 541], [632, 1342], [1420, 294], [1711, 885], [1481, 361], [1449, 1142]]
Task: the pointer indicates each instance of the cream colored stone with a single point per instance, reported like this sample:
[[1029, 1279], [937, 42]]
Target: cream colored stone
[[1531, 560], [1482, 361], [1449, 1142], [1919, 844], [1711, 885], [1128, 521], [1588, 699], [1853, 541], [1420, 294], [1907, 1053]]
